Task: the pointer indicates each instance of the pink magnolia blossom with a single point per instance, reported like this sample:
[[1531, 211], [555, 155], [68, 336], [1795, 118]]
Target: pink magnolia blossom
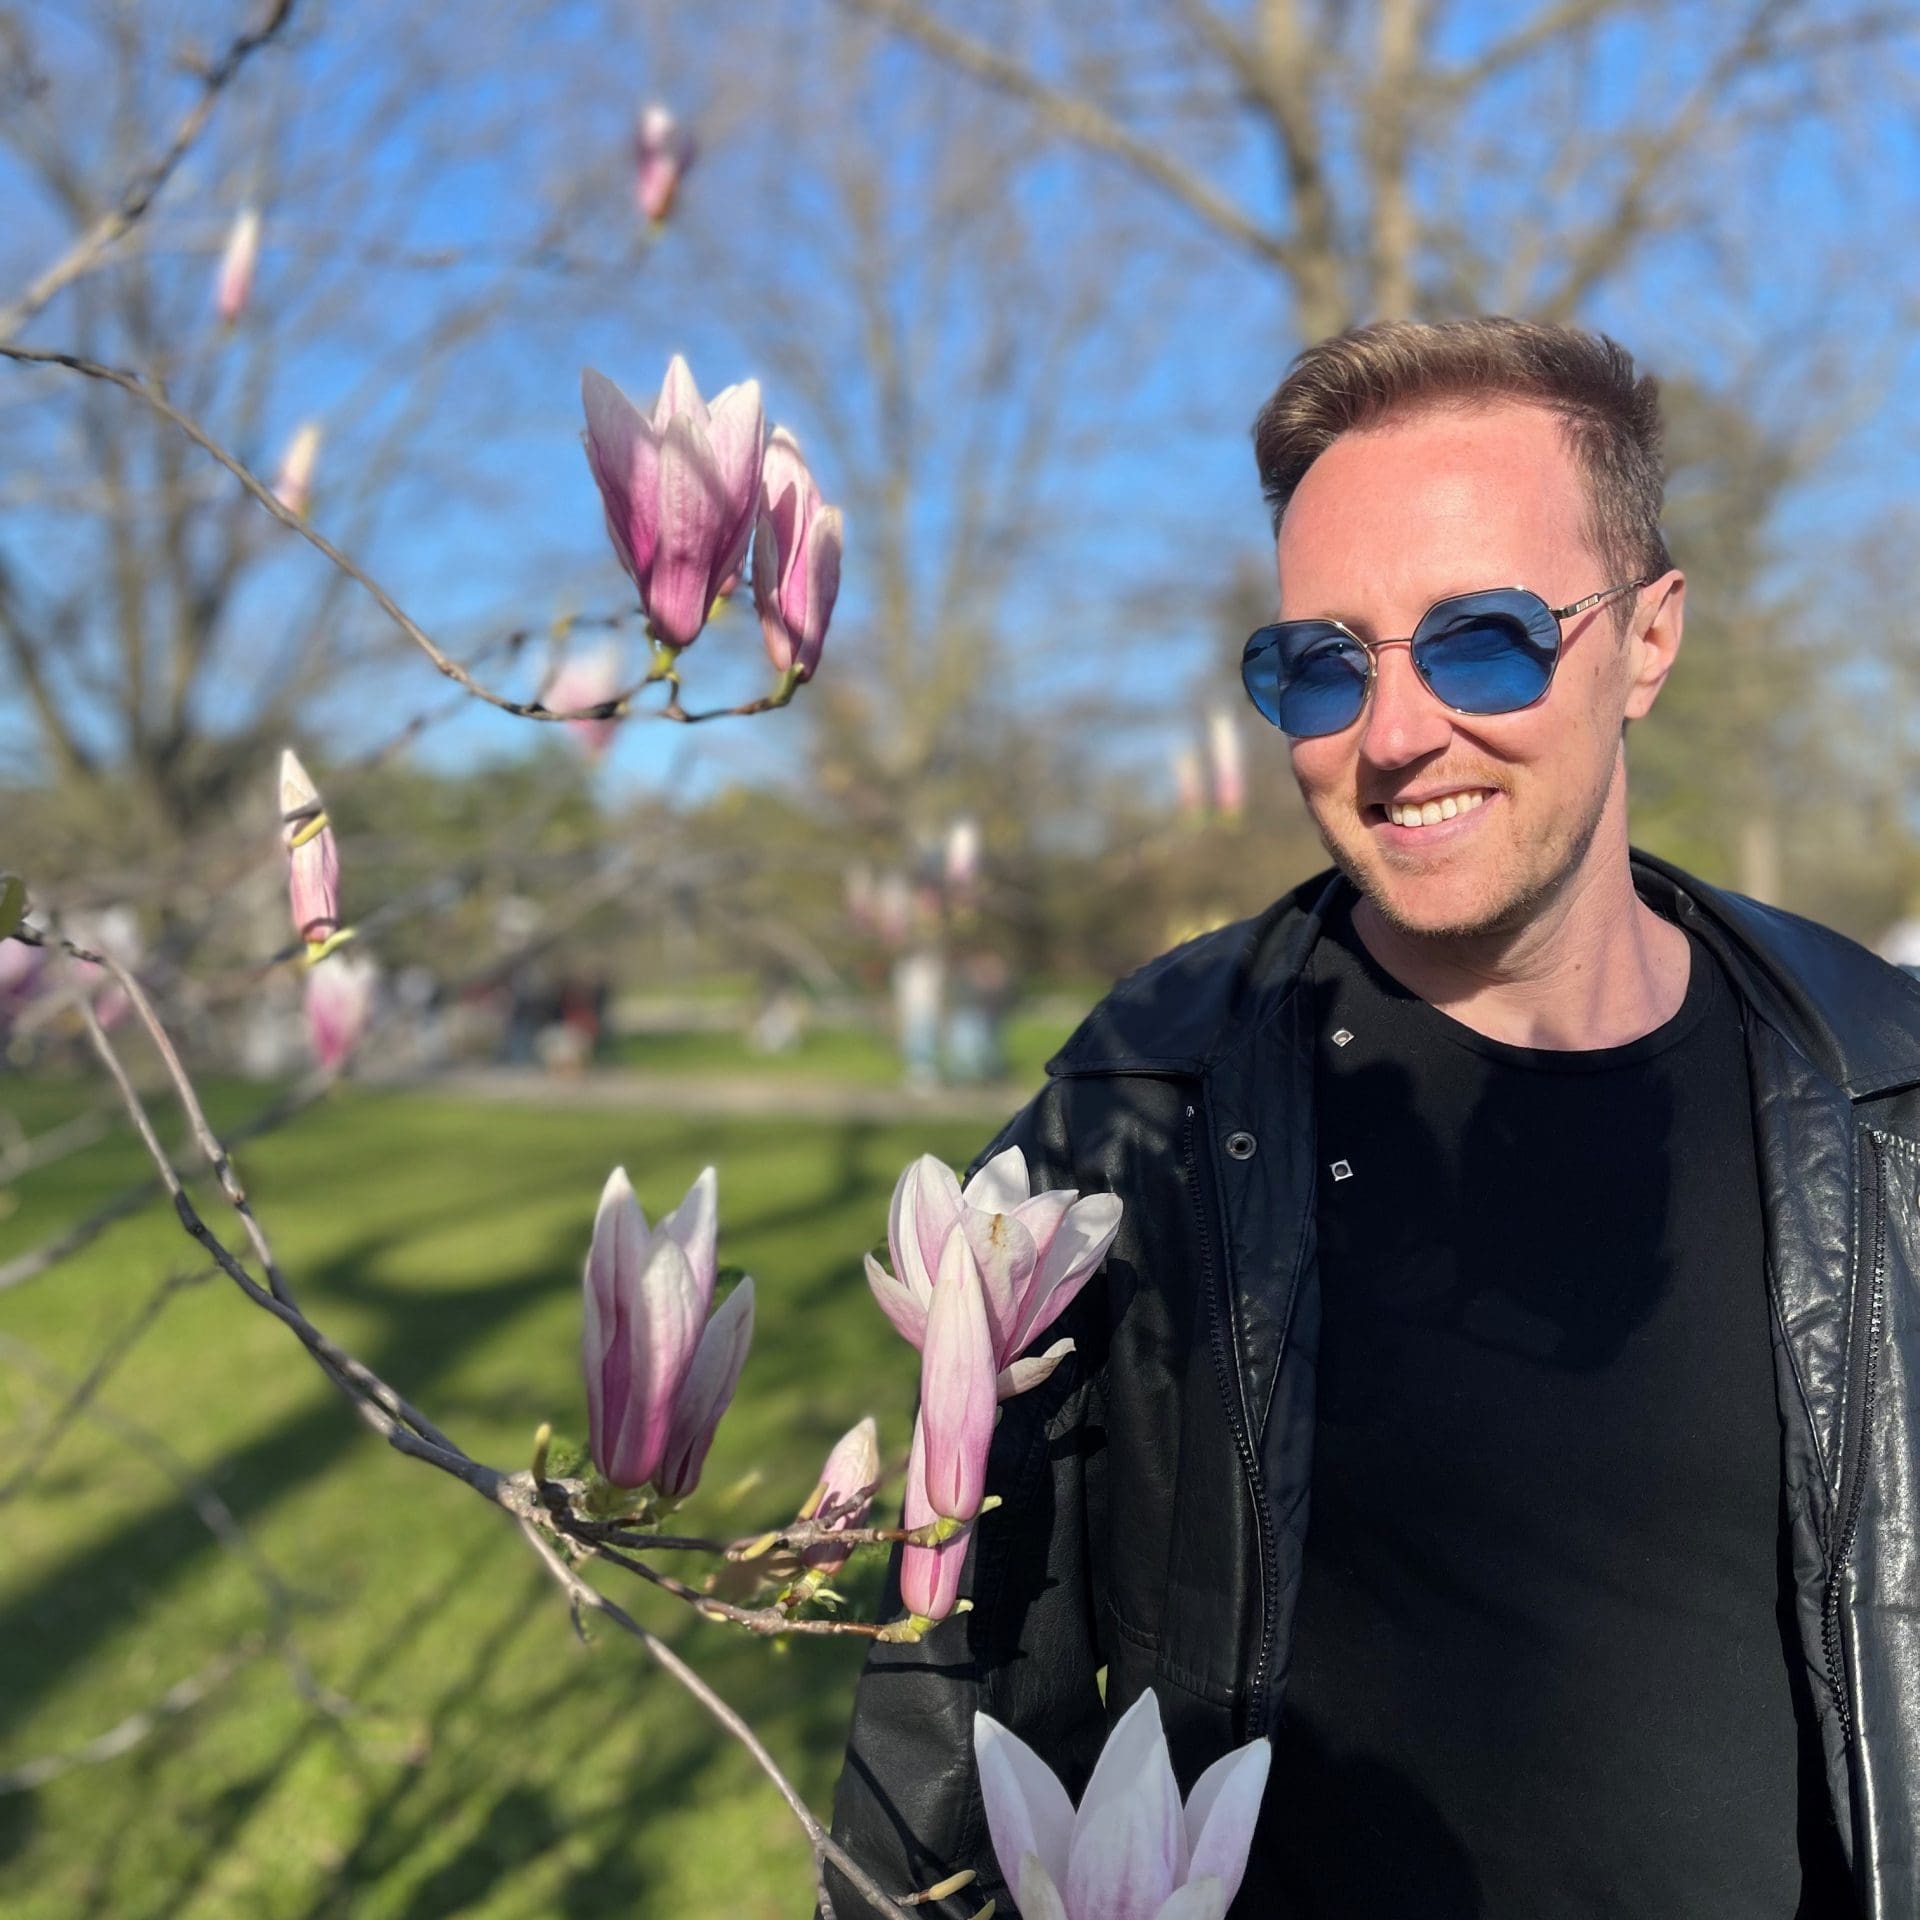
[[1132, 1851], [233, 284], [707, 1393], [341, 992], [929, 1576], [660, 1367], [1229, 766], [796, 559], [313, 860], [586, 680], [293, 484], [957, 1369], [1030, 1252], [680, 487], [847, 1481], [663, 150]]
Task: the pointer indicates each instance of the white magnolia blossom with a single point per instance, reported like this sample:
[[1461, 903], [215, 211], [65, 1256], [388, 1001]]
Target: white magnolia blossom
[[1132, 1851]]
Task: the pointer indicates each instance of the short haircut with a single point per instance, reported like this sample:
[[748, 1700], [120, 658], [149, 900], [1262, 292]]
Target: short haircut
[[1609, 413]]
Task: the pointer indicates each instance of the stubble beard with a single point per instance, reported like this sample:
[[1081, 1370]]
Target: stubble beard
[[1539, 871]]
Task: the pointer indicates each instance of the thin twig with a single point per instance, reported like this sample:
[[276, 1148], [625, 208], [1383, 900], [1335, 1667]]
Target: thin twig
[[618, 707], [588, 1598], [145, 186]]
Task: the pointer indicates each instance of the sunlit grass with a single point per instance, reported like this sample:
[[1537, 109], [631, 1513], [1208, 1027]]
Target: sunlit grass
[[493, 1766]]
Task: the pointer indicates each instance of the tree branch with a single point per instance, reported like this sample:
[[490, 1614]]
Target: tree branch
[[1082, 122], [145, 186]]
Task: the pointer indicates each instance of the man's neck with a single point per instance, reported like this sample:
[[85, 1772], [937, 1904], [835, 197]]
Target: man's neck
[[1596, 967]]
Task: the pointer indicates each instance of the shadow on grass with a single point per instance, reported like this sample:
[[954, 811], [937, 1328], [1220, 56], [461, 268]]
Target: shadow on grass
[[76, 1606]]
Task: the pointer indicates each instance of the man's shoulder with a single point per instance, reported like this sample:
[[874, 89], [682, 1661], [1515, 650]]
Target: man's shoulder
[[1857, 1015], [1174, 1014]]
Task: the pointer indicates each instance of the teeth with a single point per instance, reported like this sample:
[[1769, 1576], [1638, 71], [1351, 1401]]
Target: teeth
[[1429, 813]]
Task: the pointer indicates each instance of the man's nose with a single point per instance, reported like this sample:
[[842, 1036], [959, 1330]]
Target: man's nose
[[1404, 722]]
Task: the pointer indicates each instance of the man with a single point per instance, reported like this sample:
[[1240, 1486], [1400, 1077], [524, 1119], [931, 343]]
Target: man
[[1502, 1391]]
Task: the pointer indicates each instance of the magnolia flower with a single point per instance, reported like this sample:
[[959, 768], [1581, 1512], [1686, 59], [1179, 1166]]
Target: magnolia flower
[[1132, 1851], [957, 1382], [847, 1481], [929, 1576], [796, 559], [1031, 1253], [293, 484], [662, 152], [586, 680], [314, 871], [233, 284], [680, 487], [1229, 765], [660, 1367], [340, 998]]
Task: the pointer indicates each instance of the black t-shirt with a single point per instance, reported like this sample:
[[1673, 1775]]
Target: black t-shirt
[[1544, 1664]]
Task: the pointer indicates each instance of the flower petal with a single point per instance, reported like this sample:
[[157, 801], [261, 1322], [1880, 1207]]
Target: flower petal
[[618, 1247], [695, 1223], [1038, 1895], [1222, 1812], [665, 1314], [679, 396], [1202, 1899], [957, 1373], [1133, 1778], [901, 1305], [1028, 1373], [623, 454], [929, 1576], [736, 436], [1001, 1185], [695, 525], [1003, 1252], [707, 1392], [1028, 1811], [1118, 1868], [1071, 1260], [817, 586], [926, 1203]]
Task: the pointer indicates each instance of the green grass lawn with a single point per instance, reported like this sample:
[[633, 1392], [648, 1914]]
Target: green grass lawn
[[493, 1766]]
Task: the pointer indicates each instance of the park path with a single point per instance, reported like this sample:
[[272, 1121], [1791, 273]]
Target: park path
[[744, 1095]]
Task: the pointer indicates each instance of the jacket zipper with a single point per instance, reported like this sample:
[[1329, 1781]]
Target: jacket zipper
[[1852, 1445], [1227, 1374]]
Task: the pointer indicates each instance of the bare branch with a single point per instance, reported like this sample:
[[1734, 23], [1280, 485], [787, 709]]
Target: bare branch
[[619, 707], [1081, 121], [145, 186]]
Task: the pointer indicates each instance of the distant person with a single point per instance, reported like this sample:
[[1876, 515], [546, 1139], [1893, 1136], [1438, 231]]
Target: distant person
[[1502, 1391]]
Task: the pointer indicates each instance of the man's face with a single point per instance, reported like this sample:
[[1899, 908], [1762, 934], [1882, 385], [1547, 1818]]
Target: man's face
[[1383, 524]]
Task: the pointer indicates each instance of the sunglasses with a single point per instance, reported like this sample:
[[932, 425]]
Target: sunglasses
[[1488, 652]]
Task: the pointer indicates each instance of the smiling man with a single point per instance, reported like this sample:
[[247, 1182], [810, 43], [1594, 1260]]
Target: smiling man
[[1502, 1390]]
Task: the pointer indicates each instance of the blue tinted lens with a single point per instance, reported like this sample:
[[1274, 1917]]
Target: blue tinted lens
[[1488, 652], [1306, 676]]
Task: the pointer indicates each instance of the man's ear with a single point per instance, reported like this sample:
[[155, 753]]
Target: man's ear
[[1653, 647]]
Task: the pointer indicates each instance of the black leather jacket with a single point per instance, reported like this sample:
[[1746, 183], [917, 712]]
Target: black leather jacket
[[1156, 1486]]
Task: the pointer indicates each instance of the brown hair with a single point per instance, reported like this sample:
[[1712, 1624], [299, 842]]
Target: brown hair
[[1609, 413]]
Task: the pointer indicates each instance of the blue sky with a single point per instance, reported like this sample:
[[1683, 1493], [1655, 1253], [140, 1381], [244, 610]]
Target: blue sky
[[396, 142]]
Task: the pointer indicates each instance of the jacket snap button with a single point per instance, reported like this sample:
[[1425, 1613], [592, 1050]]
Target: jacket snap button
[[1240, 1146]]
